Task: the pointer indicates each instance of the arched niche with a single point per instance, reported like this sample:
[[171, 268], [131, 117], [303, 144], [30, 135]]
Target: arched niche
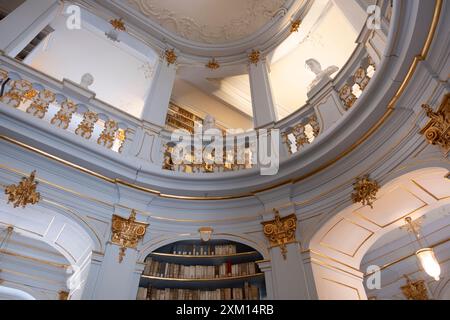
[[156, 243], [336, 250], [60, 228], [204, 268]]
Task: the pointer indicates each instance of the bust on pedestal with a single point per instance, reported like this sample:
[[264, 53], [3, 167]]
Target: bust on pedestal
[[322, 76]]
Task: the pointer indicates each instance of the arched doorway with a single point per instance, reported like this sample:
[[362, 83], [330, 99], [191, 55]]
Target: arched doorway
[[48, 251], [338, 247]]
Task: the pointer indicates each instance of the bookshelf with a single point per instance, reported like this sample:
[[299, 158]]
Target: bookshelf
[[195, 270], [179, 118]]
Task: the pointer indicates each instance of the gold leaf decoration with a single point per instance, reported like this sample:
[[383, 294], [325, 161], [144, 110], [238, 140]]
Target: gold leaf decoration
[[24, 193], [127, 233], [365, 191], [281, 231], [437, 131]]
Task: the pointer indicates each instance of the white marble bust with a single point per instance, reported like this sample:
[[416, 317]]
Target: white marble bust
[[209, 123], [322, 76], [87, 80]]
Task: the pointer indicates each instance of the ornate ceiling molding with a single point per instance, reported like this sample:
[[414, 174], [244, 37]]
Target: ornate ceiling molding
[[271, 33], [255, 14]]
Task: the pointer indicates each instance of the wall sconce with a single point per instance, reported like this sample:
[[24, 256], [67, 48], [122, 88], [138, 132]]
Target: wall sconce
[[425, 255], [205, 233]]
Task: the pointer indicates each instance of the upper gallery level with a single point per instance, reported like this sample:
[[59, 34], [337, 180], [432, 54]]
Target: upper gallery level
[[103, 85]]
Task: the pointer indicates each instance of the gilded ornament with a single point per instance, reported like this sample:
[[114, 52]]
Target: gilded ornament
[[254, 56], [30, 94], [24, 193], [170, 56], [18, 91], [122, 137], [63, 295], [108, 135], [295, 25], [415, 290], [118, 24], [365, 191], [213, 64], [86, 127], [347, 96], [281, 231], [437, 131], [40, 102], [127, 233], [64, 115]]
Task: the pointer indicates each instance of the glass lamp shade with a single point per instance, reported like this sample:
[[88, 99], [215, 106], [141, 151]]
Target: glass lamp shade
[[429, 262], [205, 233]]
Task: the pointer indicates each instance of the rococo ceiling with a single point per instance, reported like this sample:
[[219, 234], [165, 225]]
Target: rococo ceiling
[[206, 21]]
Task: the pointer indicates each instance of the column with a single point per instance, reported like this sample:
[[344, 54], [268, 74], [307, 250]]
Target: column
[[116, 280], [25, 23], [262, 99], [355, 11], [289, 276], [157, 103]]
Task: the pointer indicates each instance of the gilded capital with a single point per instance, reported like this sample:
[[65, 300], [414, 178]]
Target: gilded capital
[[437, 130], [127, 233], [281, 231]]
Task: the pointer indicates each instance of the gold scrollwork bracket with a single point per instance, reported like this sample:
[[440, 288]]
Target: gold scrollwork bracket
[[281, 231], [437, 130], [127, 233], [24, 193]]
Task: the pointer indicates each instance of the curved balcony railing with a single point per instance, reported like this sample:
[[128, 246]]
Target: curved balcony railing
[[69, 107], [64, 105]]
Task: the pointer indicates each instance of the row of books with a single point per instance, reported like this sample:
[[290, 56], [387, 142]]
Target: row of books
[[178, 271], [248, 292], [204, 250]]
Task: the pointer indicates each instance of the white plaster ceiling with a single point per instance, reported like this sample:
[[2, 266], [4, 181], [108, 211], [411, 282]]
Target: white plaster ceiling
[[206, 21]]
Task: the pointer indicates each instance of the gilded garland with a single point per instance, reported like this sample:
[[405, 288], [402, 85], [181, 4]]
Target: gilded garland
[[365, 191], [24, 193], [127, 233], [281, 231]]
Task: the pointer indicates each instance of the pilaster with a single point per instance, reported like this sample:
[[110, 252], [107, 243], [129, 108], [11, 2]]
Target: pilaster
[[261, 91]]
